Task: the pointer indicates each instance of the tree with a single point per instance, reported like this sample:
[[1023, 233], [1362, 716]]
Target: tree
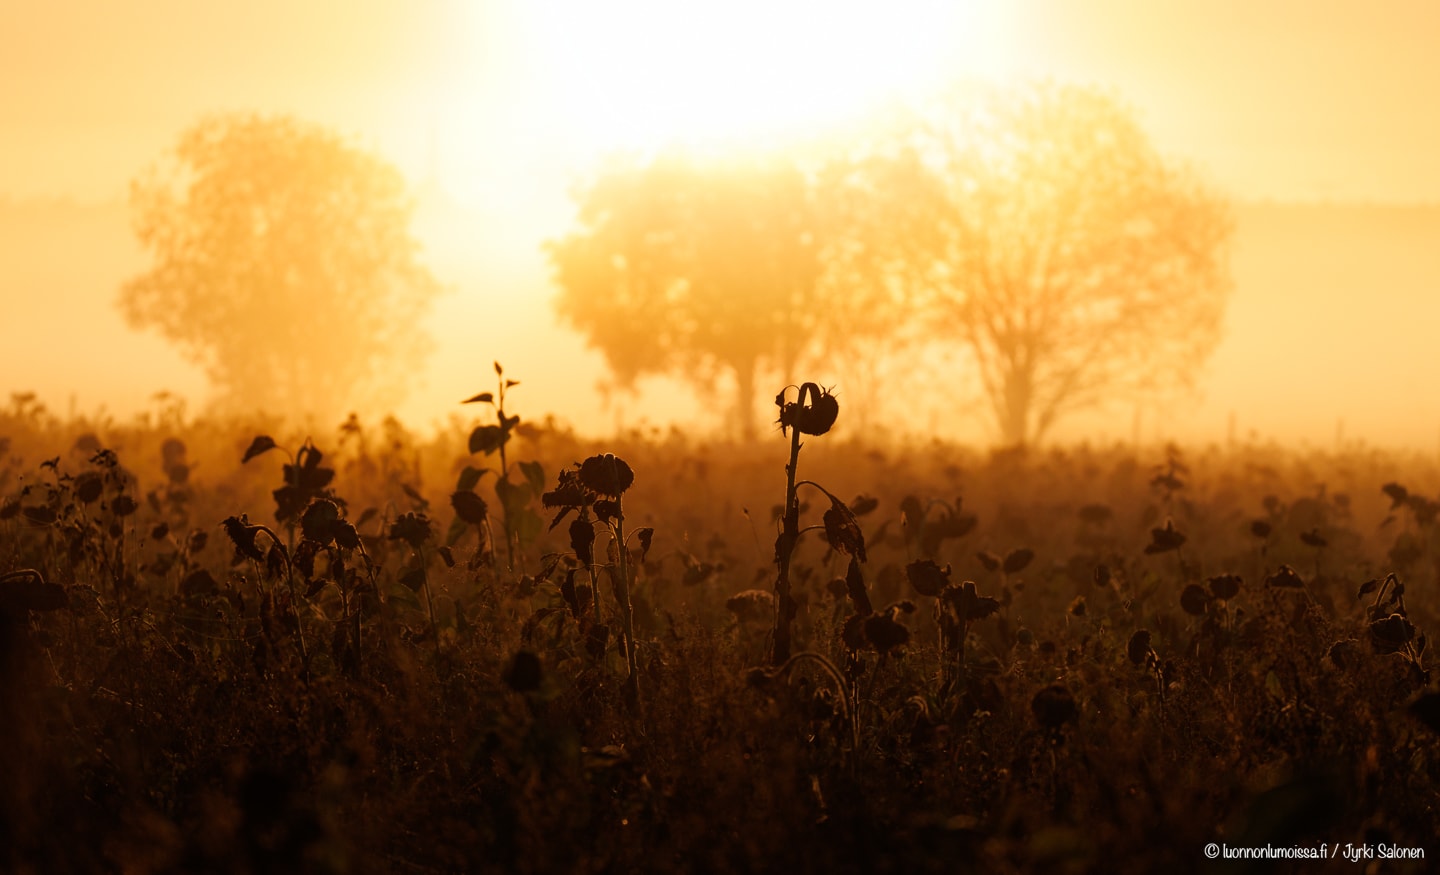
[[694, 267], [283, 265], [1074, 264]]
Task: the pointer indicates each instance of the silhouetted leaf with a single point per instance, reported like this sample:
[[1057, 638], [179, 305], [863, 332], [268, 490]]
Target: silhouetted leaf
[[418, 501], [569, 492], [1391, 634], [567, 592], [124, 505], [842, 532], [483, 397], [261, 444], [469, 507], [644, 534], [582, 541], [1017, 560], [535, 475], [928, 578], [863, 504], [470, 478], [487, 439], [1397, 494], [855, 588], [413, 579]]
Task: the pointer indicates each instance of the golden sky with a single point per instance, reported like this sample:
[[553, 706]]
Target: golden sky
[[499, 105]]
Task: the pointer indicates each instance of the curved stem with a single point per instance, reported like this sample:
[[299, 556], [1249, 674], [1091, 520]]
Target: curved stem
[[627, 613], [837, 677]]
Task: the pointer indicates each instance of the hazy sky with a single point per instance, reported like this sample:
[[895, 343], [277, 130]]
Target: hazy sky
[[502, 104], [1276, 99]]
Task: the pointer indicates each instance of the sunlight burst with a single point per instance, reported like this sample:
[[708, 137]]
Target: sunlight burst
[[640, 73]]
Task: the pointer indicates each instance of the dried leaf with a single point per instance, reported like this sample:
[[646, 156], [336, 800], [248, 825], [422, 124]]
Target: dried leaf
[[843, 532], [582, 541], [261, 444], [1017, 560], [928, 578], [644, 534], [469, 507], [855, 588]]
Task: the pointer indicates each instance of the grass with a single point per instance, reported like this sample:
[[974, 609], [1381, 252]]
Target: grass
[[1036, 688]]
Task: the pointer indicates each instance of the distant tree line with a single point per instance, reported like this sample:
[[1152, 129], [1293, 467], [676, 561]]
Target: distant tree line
[[1033, 228]]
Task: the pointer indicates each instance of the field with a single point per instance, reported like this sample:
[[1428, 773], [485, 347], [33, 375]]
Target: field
[[1162, 648]]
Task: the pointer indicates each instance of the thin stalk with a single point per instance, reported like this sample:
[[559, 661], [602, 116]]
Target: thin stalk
[[429, 602], [849, 699], [784, 547], [622, 592], [299, 623]]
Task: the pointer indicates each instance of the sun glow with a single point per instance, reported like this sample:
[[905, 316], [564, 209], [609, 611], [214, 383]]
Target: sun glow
[[586, 78], [640, 73]]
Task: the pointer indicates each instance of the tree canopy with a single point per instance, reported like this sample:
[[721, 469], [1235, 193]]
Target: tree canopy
[[283, 264], [681, 265], [1072, 262], [1034, 228]]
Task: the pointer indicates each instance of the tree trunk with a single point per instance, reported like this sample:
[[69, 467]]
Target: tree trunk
[[1015, 429]]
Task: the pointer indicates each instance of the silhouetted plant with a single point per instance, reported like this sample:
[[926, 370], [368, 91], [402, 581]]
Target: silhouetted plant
[[520, 524], [812, 413], [598, 485]]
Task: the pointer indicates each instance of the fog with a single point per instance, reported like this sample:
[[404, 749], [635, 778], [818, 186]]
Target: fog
[[1316, 128]]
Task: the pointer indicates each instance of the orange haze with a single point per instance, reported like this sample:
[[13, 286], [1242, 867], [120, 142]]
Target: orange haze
[[1317, 118]]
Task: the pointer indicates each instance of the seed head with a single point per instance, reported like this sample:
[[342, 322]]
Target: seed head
[[606, 475]]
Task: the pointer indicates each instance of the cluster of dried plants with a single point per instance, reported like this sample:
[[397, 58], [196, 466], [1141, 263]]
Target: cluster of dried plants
[[213, 659]]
